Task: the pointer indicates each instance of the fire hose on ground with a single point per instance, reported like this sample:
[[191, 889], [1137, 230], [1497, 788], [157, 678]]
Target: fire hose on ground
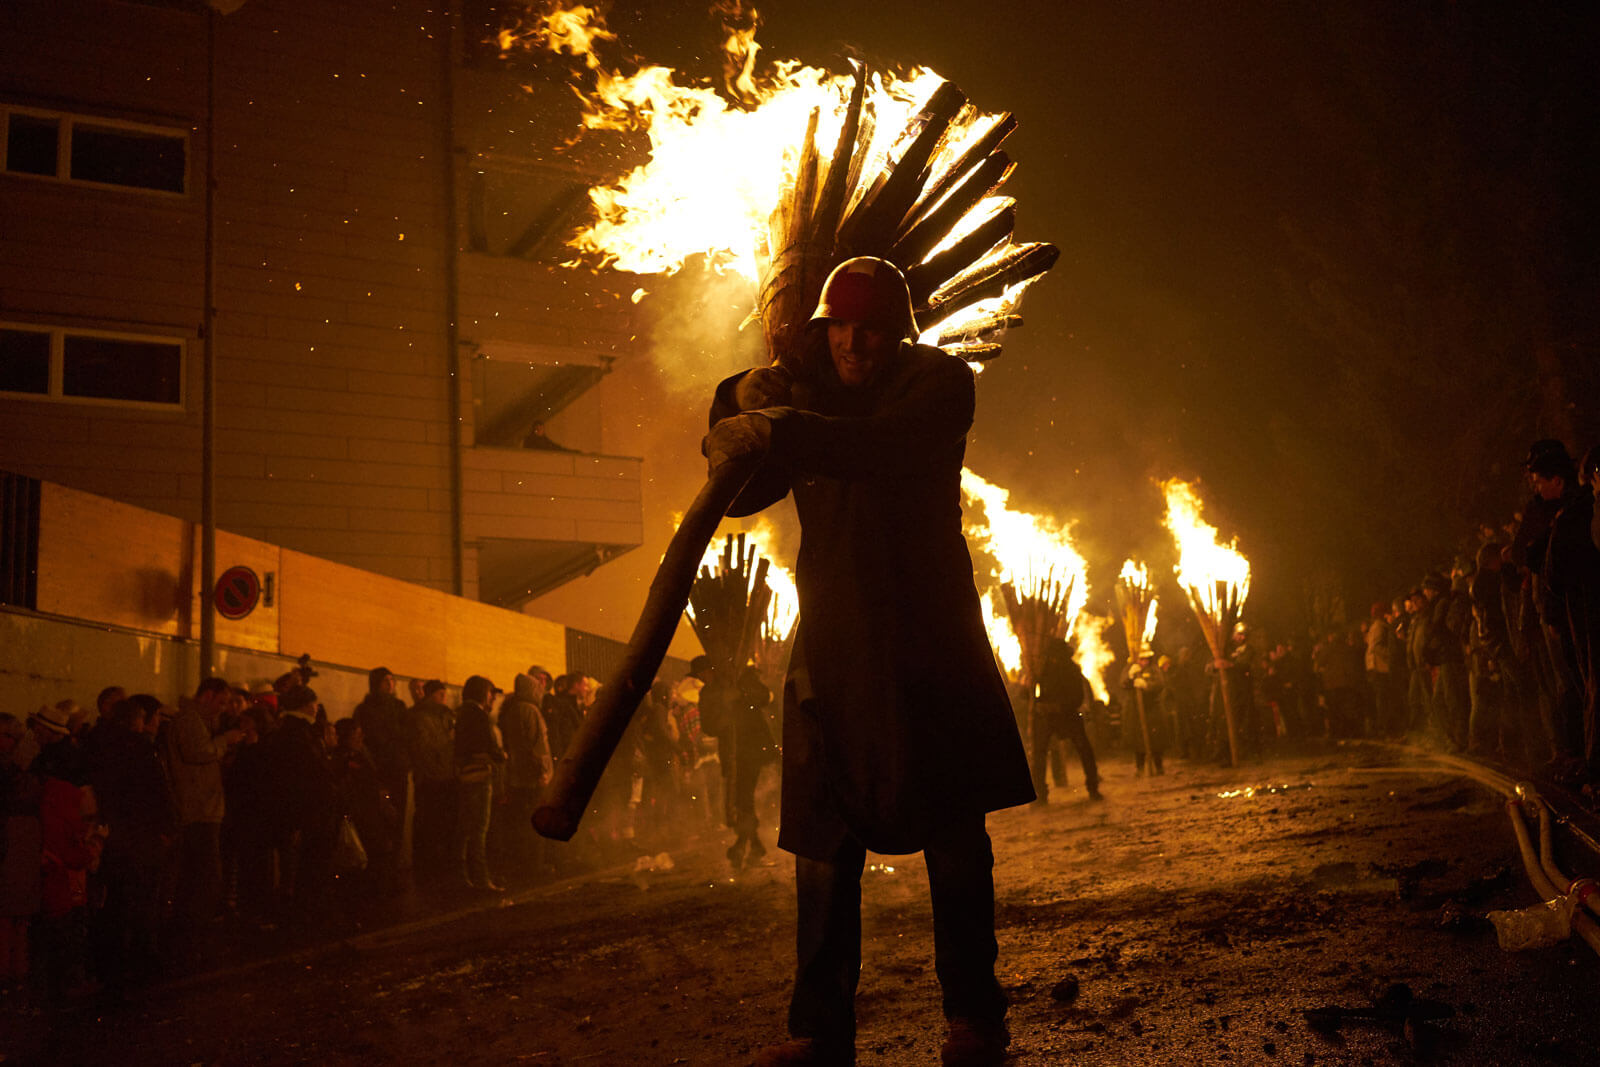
[[1578, 898]]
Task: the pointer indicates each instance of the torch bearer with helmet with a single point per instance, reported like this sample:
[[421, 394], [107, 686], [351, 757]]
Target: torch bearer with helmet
[[915, 237]]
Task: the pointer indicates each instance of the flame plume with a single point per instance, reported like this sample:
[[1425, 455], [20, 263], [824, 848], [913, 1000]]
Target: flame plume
[[1216, 578], [1037, 555], [1137, 600], [811, 167]]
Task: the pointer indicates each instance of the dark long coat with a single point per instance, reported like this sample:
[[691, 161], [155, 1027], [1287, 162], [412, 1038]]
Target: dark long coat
[[896, 720]]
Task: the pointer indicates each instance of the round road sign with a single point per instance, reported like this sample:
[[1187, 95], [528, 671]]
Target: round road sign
[[238, 591]]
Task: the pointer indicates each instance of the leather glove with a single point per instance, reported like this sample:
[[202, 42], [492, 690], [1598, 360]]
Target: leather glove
[[764, 387], [734, 438]]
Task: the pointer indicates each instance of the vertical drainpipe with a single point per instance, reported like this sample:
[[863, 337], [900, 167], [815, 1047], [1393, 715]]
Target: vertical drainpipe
[[452, 338], [208, 393]]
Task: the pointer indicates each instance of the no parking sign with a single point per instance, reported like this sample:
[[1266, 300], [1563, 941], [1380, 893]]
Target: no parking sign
[[238, 591]]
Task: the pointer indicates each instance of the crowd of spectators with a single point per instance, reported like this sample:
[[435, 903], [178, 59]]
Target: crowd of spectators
[[1497, 656], [143, 838]]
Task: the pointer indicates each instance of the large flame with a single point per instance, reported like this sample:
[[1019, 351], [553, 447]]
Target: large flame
[[717, 169], [783, 610], [1094, 656], [1024, 547], [1203, 560], [1137, 575], [1007, 648]]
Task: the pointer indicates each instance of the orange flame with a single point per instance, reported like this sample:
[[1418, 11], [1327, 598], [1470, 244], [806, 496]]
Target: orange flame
[[717, 171], [1094, 656], [1203, 560], [1024, 545], [783, 610], [1138, 576]]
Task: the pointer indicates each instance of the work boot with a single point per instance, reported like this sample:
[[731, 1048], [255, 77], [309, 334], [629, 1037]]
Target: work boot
[[807, 1052], [974, 1043]]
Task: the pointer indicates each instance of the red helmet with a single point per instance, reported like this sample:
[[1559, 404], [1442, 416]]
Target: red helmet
[[868, 289]]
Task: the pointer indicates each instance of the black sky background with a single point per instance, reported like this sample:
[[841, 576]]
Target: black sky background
[[1337, 261]]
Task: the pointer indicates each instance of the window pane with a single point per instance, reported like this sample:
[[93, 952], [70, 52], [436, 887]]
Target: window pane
[[24, 361], [122, 370], [127, 157], [31, 144]]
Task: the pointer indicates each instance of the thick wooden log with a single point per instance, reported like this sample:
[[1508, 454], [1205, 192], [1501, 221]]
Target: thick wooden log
[[979, 331], [871, 226], [992, 279], [982, 181], [803, 198], [970, 157], [927, 277], [578, 772], [843, 167]]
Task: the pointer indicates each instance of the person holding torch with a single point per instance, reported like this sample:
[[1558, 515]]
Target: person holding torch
[[898, 735]]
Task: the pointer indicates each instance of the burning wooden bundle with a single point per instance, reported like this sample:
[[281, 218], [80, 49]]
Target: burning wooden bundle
[[1038, 615], [1216, 578], [728, 603], [931, 210], [1136, 599], [925, 205]]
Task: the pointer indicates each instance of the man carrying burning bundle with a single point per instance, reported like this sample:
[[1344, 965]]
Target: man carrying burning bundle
[[898, 734]]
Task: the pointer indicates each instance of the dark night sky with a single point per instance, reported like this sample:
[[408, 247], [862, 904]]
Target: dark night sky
[[1338, 261]]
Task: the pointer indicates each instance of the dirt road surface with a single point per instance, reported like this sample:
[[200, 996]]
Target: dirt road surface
[[1189, 919]]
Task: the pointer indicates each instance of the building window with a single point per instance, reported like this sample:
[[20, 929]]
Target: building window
[[95, 151], [91, 366]]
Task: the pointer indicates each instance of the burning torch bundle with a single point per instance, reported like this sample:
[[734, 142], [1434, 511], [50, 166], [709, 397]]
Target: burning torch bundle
[[1216, 578], [1136, 601], [728, 604], [930, 209], [1038, 615], [927, 204]]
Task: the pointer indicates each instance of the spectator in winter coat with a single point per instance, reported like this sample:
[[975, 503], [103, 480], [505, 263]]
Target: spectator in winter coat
[[386, 723], [70, 844], [433, 751], [194, 765], [300, 776], [136, 806], [478, 755], [361, 797], [528, 768], [20, 860], [253, 813]]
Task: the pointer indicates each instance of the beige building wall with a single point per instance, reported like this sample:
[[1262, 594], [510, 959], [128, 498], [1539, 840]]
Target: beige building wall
[[336, 157]]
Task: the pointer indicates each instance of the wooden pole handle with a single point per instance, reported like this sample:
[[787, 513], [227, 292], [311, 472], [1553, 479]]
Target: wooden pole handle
[[578, 772]]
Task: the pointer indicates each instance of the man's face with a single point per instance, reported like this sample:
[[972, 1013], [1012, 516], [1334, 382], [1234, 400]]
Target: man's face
[[386, 685], [1549, 487], [859, 350], [214, 702]]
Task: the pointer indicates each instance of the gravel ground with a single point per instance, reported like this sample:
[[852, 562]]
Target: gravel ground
[[1189, 919]]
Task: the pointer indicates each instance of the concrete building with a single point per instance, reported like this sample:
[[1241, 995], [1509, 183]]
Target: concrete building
[[382, 240]]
